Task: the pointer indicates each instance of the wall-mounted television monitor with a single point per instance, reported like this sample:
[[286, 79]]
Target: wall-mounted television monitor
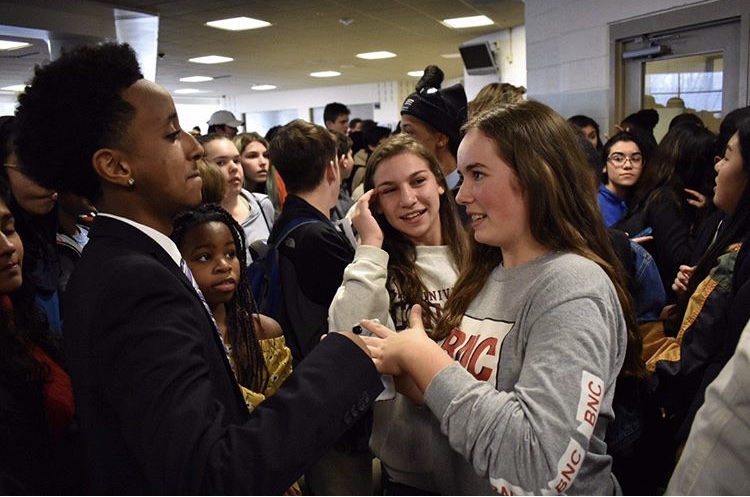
[[478, 58]]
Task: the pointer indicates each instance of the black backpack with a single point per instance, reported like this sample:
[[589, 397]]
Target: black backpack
[[265, 272]]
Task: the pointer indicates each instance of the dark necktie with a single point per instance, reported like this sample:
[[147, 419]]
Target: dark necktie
[[189, 275]]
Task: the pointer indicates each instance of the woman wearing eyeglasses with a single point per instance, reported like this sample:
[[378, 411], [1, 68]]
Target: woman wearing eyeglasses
[[624, 157], [658, 204]]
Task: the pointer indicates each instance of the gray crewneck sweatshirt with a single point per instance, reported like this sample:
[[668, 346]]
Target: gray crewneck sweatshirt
[[546, 340]]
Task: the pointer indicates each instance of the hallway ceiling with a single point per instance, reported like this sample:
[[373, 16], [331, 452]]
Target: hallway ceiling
[[304, 36]]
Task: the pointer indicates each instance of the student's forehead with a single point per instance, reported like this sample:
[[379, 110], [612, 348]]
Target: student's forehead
[[255, 145], [476, 147], [403, 165], [223, 146], [209, 229], [412, 121], [150, 100], [625, 144]]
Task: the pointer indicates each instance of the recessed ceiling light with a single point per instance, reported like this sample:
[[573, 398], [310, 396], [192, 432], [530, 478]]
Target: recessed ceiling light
[[188, 91], [263, 87], [196, 79], [325, 74], [211, 59], [13, 45], [238, 23], [416, 74], [453, 55], [376, 55], [16, 88], [467, 22]]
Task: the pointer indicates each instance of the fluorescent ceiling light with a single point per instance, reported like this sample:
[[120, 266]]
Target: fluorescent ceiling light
[[196, 79], [325, 74], [467, 22], [13, 45], [263, 87], [188, 91], [238, 24], [376, 55], [16, 88], [211, 59], [453, 55], [416, 74]]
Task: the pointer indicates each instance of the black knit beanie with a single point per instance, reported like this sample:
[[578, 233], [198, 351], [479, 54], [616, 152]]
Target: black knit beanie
[[444, 110]]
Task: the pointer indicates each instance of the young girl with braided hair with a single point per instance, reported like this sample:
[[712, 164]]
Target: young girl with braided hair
[[213, 246]]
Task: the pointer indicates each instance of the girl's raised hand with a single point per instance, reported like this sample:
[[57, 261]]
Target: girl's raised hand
[[364, 222]]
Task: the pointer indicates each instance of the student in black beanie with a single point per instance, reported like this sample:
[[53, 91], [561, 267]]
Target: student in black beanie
[[434, 117]]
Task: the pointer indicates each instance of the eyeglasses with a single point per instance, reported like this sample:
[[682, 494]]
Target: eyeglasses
[[618, 160]]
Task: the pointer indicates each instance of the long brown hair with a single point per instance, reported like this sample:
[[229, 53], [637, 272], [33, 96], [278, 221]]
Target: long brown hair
[[542, 149], [402, 271]]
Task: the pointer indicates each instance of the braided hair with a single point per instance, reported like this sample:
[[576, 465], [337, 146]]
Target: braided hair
[[245, 352]]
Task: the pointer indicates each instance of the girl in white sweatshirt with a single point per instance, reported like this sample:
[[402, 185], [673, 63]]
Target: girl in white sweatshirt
[[412, 248]]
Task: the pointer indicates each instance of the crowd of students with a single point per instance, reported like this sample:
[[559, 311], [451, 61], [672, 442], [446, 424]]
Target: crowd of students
[[461, 301]]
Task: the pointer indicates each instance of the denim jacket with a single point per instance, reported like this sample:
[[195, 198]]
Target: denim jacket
[[650, 296]]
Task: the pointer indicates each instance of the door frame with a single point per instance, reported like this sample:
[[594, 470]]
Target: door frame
[[683, 18]]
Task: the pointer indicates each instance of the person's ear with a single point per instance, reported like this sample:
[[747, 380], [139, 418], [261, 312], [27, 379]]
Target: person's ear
[[441, 190], [112, 167], [332, 171], [442, 140]]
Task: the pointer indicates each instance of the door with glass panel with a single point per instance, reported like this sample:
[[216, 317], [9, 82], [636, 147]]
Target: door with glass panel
[[696, 68]]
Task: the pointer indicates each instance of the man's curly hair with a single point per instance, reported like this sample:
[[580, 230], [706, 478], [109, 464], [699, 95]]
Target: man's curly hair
[[72, 108]]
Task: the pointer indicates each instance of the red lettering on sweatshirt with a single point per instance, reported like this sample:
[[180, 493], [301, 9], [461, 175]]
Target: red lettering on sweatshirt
[[477, 346], [568, 467]]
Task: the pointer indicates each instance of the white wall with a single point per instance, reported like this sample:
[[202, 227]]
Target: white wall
[[196, 111], [567, 51], [297, 103], [8, 102]]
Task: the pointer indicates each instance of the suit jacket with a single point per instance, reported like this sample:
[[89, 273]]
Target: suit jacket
[[159, 409]]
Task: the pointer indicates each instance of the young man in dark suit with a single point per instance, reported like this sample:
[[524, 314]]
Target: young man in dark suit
[[157, 403]]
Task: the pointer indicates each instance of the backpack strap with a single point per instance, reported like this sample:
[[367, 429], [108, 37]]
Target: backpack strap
[[260, 207], [293, 225]]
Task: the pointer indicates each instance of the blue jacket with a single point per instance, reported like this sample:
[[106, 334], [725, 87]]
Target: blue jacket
[[612, 207]]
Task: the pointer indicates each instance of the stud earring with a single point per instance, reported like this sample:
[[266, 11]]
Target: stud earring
[[131, 181]]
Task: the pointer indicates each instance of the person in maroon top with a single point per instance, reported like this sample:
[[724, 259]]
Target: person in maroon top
[[37, 454]]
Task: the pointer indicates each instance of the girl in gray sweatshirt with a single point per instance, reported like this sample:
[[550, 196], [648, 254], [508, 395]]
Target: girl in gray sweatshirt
[[519, 372]]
